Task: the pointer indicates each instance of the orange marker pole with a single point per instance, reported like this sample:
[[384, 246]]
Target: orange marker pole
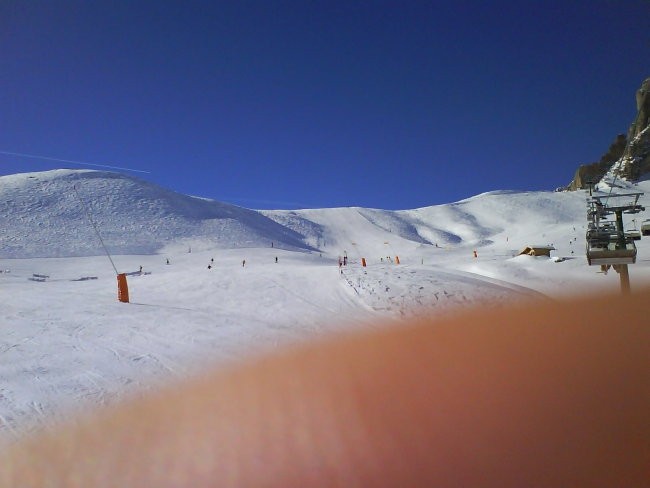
[[363, 262], [122, 288]]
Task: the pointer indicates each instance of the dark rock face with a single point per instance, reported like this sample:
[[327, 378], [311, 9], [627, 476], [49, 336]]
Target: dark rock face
[[642, 120], [636, 160], [593, 172], [629, 156], [636, 163]]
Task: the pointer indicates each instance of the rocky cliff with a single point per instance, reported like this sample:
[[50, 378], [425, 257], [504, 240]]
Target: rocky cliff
[[593, 172], [628, 156], [635, 162]]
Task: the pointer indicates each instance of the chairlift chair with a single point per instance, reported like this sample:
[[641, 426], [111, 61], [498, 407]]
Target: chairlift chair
[[645, 227], [607, 241], [610, 250]]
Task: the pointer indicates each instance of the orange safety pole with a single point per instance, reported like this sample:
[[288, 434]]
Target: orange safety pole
[[122, 288], [363, 262], [396, 259]]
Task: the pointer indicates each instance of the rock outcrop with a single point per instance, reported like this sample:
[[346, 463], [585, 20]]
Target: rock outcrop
[[628, 157], [642, 120], [635, 162], [593, 172]]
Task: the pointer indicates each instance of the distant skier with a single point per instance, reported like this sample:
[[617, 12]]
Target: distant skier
[[209, 266], [276, 259], [167, 260], [140, 269], [243, 263]]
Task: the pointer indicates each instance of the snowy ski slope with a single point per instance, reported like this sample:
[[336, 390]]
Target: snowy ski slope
[[68, 345]]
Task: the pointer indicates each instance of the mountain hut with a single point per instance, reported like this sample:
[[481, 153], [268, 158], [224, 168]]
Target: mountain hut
[[537, 250]]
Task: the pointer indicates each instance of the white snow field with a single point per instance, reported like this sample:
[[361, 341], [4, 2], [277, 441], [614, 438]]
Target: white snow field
[[67, 344]]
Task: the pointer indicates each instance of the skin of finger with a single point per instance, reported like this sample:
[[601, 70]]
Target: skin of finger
[[535, 395]]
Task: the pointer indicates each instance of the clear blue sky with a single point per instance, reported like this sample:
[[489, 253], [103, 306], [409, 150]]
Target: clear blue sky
[[287, 104]]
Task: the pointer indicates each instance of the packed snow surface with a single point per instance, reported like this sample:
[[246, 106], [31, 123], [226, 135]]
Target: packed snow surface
[[211, 283]]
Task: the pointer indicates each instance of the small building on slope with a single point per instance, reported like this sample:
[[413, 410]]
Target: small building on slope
[[537, 250]]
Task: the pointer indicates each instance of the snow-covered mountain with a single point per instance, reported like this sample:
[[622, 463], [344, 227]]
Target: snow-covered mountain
[[44, 217], [499, 218]]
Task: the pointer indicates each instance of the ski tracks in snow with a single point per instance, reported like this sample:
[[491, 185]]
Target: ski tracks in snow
[[491, 282], [407, 290]]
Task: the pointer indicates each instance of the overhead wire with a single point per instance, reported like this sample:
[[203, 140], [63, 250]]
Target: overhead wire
[[92, 222], [71, 161]]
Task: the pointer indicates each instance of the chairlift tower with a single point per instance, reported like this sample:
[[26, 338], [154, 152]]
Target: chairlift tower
[[607, 242]]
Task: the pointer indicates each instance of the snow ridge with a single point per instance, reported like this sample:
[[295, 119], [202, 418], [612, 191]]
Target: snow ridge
[[44, 218]]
